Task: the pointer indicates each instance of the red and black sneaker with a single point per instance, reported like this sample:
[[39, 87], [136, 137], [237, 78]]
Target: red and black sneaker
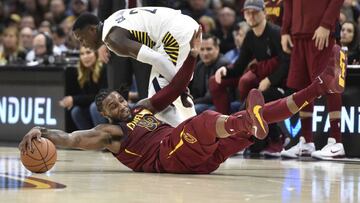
[[333, 77], [254, 108]]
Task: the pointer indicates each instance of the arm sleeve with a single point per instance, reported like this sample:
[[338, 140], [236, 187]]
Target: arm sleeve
[[243, 60], [287, 17], [178, 84], [331, 14], [160, 63]]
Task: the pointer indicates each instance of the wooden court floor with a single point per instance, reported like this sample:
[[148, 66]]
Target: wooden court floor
[[85, 177]]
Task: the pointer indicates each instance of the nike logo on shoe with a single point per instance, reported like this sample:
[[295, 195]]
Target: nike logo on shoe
[[334, 151], [256, 111]]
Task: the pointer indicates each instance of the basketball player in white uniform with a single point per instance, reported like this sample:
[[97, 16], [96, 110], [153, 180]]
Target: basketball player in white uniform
[[154, 35]]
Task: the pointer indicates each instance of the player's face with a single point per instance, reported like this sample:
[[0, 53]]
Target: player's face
[[116, 107], [347, 33], [88, 37], [254, 17]]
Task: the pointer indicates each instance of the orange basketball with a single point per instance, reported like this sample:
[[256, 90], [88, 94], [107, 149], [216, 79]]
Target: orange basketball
[[42, 158]]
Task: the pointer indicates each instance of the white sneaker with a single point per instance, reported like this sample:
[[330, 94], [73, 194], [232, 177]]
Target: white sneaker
[[331, 150], [300, 149]]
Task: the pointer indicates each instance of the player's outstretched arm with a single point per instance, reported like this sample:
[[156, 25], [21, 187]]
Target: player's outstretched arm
[[178, 84], [101, 136], [119, 41]]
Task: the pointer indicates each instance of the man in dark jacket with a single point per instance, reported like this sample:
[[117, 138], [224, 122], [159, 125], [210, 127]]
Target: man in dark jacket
[[211, 60]]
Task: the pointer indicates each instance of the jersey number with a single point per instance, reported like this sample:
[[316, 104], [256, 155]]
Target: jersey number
[[134, 11]]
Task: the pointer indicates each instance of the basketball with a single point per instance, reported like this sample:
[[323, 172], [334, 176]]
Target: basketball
[[42, 158]]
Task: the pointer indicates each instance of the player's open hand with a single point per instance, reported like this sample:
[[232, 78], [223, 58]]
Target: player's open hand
[[195, 43], [321, 37], [25, 144]]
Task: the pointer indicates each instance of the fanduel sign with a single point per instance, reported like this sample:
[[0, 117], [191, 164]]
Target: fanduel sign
[[26, 110], [350, 121]]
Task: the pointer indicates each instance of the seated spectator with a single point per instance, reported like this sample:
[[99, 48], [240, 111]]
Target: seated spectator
[[239, 34], [12, 52], [197, 8], [207, 23], [42, 52], [59, 38], [91, 78], [27, 21], [226, 18], [211, 60], [58, 11], [262, 64], [349, 37], [26, 38]]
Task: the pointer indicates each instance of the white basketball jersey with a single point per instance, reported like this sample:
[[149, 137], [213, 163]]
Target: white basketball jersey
[[148, 25]]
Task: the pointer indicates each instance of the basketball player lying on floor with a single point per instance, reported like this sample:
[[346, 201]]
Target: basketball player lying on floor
[[198, 145]]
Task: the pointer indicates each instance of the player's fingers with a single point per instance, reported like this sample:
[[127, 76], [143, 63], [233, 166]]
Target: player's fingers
[[326, 41], [290, 42], [321, 44]]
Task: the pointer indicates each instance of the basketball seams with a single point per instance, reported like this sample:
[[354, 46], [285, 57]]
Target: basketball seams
[[42, 162]]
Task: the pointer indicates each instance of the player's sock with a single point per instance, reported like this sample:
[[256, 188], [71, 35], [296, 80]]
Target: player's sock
[[334, 103], [281, 109], [238, 123]]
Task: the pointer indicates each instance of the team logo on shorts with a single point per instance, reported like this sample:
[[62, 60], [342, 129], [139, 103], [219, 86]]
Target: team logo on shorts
[[189, 138]]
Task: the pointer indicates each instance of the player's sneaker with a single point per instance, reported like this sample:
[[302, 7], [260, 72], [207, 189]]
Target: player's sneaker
[[273, 149], [333, 77], [331, 150], [254, 107], [300, 149]]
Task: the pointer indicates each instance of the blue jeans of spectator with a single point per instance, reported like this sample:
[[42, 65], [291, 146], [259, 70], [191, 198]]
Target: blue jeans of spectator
[[199, 108], [96, 117], [81, 117]]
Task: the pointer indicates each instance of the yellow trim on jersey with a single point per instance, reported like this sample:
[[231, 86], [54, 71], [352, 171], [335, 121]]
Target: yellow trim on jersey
[[181, 142], [171, 47], [143, 38], [132, 153]]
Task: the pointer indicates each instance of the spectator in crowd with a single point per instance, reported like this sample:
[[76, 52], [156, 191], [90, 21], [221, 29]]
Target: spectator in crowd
[[207, 23], [32, 8], [45, 27], [349, 37], [351, 9], [226, 18], [239, 34], [262, 64], [197, 8], [42, 52], [26, 38], [78, 7], [211, 60], [12, 52], [27, 21], [59, 38], [58, 11], [91, 78]]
